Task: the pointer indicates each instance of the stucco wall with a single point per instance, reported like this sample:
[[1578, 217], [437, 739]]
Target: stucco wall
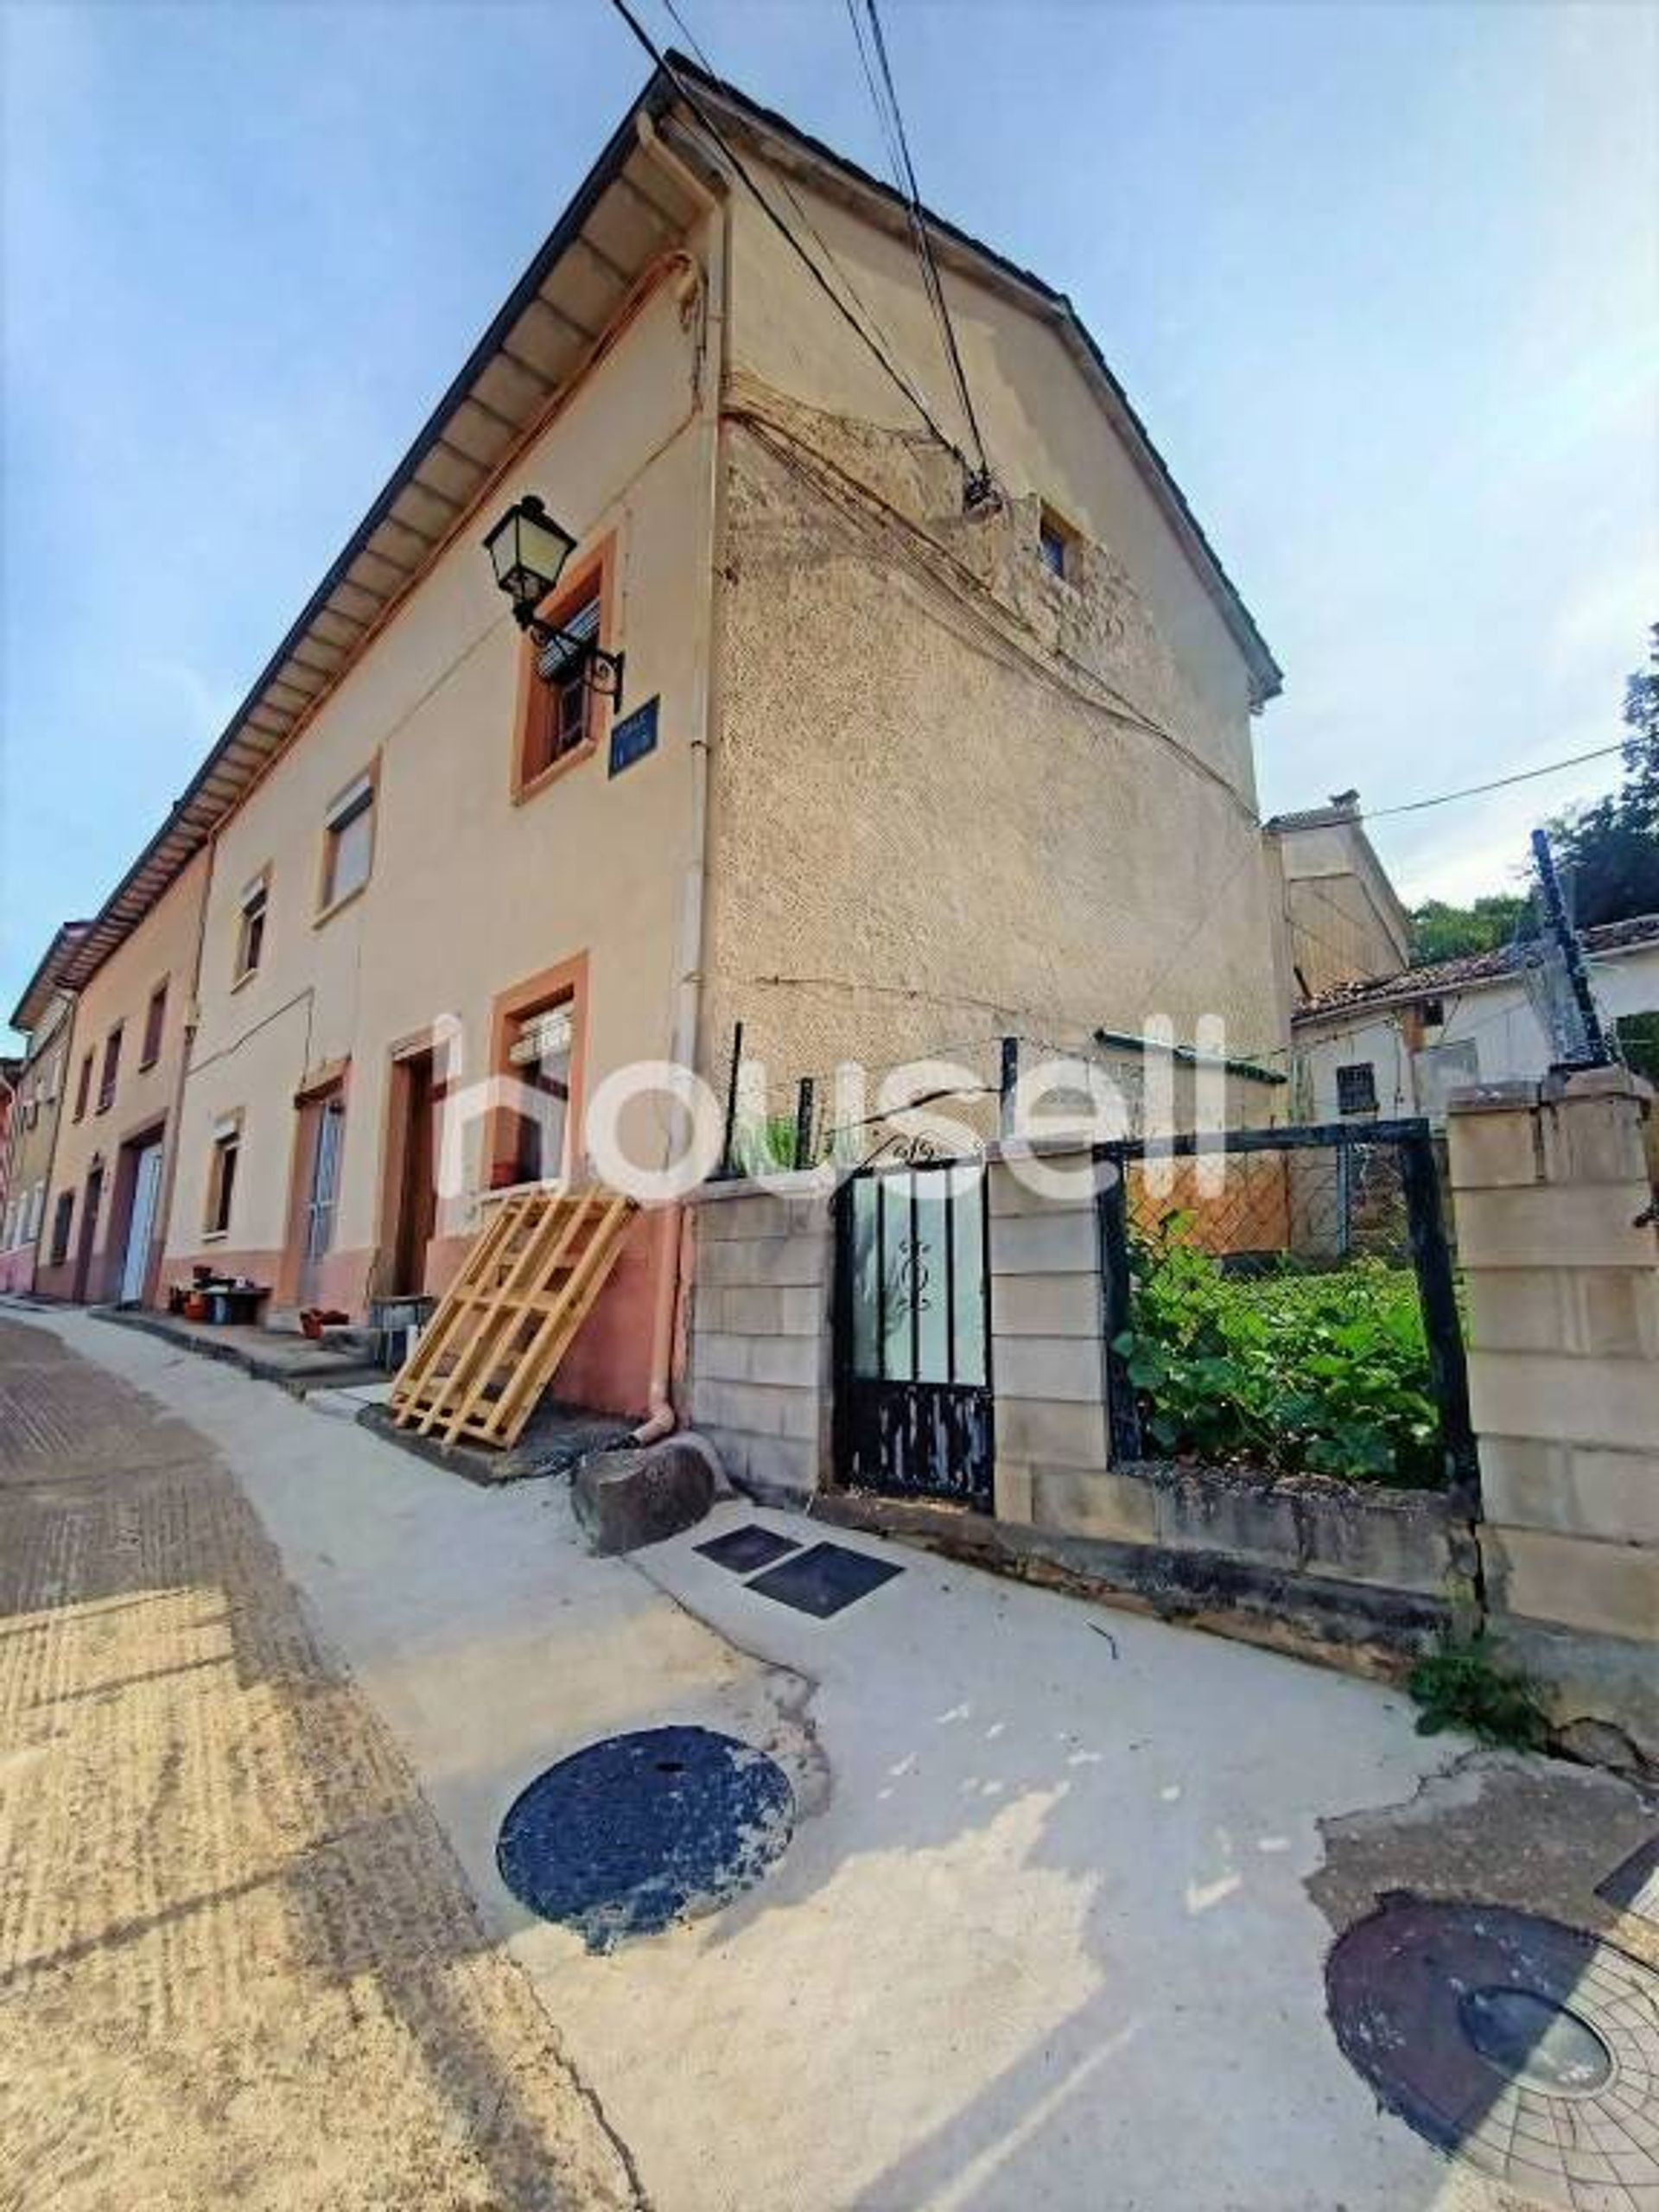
[[988, 798], [33, 1137], [470, 894], [1343, 922], [161, 950]]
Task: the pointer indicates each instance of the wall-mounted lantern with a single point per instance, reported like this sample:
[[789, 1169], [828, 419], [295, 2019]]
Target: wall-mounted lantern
[[528, 550]]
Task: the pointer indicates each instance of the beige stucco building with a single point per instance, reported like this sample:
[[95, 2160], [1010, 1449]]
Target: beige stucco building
[[890, 778], [108, 1192], [1344, 921], [43, 1015]]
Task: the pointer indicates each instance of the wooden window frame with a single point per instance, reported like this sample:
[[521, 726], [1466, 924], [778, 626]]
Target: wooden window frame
[[537, 993], [84, 1083], [368, 777], [594, 574], [110, 1074], [257, 888], [227, 1131], [154, 1025], [1053, 528], [63, 1225]]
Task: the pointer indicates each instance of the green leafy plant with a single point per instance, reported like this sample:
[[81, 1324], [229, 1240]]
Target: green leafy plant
[[1324, 1373], [1461, 1686]]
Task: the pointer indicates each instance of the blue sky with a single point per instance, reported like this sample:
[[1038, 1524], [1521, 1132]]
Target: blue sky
[[1383, 280]]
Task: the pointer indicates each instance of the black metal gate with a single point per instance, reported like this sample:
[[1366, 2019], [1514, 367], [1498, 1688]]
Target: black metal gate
[[912, 1337]]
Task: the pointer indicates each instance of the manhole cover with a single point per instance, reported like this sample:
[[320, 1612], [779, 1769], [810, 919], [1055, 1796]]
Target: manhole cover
[[640, 1830], [1526, 2048]]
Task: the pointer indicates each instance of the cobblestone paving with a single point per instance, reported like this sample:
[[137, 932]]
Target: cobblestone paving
[[238, 1963]]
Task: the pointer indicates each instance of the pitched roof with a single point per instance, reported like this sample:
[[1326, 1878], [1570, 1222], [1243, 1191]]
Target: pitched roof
[[1438, 978], [625, 213], [49, 976]]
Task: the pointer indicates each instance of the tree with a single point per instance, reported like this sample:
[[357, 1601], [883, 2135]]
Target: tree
[[1442, 932], [1609, 851]]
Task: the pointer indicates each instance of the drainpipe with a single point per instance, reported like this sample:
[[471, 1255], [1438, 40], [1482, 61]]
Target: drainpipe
[[662, 1420]]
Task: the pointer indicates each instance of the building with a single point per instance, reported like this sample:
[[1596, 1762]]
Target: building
[[106, 1203], [1344, 920], [897, 768], [1402, 1043], [43, 1016]]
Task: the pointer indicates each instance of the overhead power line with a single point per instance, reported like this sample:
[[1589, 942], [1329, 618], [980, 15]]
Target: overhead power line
[[863, 329], [1498, 783], [891, 117]]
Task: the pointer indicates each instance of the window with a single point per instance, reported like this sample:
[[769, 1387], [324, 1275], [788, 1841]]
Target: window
[[83, 1087], [221, 1174], [155, 1022], [562, 712], [32, 1218], [540, 1049], [1055, 540], [251, 926], [348, 841], [111, 1068], [63, 1215], [1356, 1088]]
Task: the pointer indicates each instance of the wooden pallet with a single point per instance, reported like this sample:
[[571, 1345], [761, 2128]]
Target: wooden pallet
[[505, 1322]]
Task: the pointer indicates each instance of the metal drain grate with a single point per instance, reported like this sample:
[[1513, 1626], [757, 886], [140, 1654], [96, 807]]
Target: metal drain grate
[[1522, 2046], [637, 1831]]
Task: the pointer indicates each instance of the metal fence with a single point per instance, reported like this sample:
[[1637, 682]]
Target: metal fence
[[1286, 1300]]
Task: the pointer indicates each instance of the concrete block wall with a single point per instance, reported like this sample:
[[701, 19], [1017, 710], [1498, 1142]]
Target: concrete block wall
[[1048, 1363], [759, 1349], [1550, 1183]]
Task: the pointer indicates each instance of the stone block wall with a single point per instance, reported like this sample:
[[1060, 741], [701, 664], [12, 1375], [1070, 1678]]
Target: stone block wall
[[1048, 1365], [758, 1355], [1550, 1186]]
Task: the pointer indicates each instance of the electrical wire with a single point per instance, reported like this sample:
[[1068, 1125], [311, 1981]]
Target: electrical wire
[[1498, 783], [916, 214], [864, 332]]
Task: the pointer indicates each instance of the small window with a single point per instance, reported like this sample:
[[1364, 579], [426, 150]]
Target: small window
[[155, 1022], [348, 841], [251, 926], [561, 711], [540, 1047], [1356, 1088], [221, 1175], [84, 1087], [63, 1215], [111, 1069], [1055, 540]]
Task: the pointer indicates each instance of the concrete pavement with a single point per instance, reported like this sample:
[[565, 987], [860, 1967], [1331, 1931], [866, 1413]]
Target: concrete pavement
[[1043, 1938]]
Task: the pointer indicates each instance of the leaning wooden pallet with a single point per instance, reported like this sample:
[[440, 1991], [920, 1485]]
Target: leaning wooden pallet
[[501, 1331]]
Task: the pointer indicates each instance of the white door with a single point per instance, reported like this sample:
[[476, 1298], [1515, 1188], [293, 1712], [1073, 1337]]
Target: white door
[[146, 1183]]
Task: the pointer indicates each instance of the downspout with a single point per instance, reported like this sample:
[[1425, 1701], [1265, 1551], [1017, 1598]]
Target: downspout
[[661, 1418]]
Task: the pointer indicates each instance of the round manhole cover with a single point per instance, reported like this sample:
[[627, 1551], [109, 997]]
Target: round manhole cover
[[639, 1830], [1524, 2047]]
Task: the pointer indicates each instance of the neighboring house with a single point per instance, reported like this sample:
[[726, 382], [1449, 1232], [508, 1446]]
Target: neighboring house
[[10, 1069], [889, 774], [1344, 920], [1399, 1044], [105, 1205], [43, 1016]]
